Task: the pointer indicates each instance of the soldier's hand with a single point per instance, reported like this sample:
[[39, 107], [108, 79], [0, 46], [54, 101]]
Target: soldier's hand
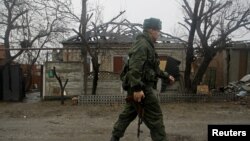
[[171, 79], [138, 96]]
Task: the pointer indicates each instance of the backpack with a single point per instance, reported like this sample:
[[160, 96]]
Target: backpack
[[123, 74]]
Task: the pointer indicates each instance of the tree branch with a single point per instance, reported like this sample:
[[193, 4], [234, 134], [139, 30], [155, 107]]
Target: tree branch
[[187, 8], [18, 15]]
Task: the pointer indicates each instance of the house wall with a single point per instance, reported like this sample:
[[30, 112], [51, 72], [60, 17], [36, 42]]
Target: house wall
[[176, 51], [106, 60], [230, 64], [227, 69], [71, 55], [235, 62], [108, 65], [107, 54], [219, 63], [73, 71], [106, 86]]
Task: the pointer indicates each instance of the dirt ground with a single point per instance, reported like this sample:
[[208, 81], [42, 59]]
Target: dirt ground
[[36, 120]]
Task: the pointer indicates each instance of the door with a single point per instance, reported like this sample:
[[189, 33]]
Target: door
[[118, 64]]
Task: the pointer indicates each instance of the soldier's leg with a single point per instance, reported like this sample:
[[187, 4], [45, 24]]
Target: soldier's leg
[[125, 118], [153, 118]]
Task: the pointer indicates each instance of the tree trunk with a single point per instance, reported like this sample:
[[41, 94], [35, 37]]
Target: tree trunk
[[208, 57], [96, 67], [7, 43], [190, 49], [84, 50], [8, 58], [199, 75], [187, 73], [85, 69]]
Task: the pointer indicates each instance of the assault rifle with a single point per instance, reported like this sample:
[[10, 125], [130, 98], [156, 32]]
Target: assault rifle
[[140, 111]]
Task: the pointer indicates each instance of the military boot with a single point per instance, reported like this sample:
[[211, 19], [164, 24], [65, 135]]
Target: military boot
[[113, 138]]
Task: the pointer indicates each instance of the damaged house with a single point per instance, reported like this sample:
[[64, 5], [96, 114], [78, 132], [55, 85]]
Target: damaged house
[[110, 42]]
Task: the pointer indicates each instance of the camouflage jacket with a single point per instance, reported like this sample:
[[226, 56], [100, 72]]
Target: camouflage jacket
[[143, 64]]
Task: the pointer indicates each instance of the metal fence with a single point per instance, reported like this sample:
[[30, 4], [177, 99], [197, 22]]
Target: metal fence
[[101, 99], [163, 98], [105, 75]]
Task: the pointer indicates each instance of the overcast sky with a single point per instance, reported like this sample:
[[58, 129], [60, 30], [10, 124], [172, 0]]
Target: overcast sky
[[169, 11]]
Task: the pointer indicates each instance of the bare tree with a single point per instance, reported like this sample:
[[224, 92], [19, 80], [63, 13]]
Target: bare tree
[[190, 48], [82, 33], [83, 21], [87, 49], [30, 23], [53, 27], [94, 53], [12, 13], [214, 22]]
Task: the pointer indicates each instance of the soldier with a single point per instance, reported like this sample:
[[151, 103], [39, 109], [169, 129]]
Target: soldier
[[142, 77]]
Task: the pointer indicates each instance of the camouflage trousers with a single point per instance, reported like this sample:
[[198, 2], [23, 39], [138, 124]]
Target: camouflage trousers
[[152, 118]]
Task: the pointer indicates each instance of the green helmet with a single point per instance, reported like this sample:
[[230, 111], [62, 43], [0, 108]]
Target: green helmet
[[152, 23]]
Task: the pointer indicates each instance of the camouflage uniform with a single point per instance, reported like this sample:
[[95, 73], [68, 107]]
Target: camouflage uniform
[[142, 75]]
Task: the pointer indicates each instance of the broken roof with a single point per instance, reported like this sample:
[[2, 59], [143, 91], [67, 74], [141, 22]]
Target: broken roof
[[118, 32]]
